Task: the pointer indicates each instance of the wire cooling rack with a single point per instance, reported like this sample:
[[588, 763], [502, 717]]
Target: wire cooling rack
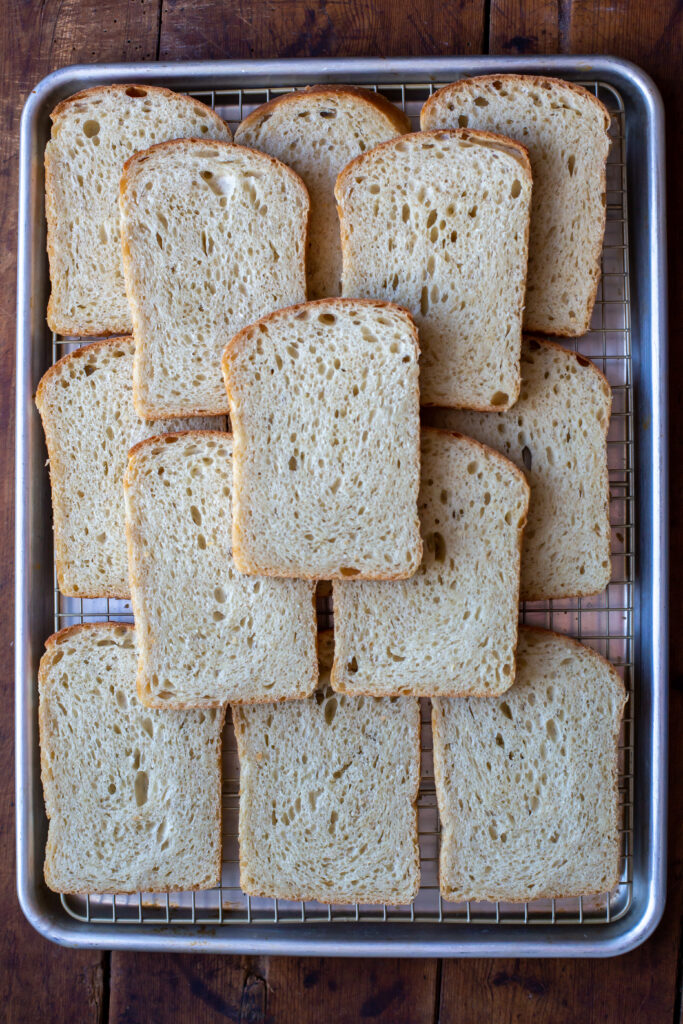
[[604, 622]]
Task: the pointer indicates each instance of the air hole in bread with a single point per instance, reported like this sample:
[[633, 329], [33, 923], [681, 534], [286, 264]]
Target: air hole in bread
[[91, 129], [500, 398], [141, 786], [135, 92]]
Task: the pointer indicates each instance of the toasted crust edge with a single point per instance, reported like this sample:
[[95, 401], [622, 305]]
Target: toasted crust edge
[[241, 338], [338, 897], [339, 680], [398, 119], [451, 894]]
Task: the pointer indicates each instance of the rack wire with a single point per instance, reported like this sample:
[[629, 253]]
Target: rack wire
[[604, 622]]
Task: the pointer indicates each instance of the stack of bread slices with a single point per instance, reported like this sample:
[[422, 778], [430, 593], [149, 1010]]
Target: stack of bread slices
[[368, 305]]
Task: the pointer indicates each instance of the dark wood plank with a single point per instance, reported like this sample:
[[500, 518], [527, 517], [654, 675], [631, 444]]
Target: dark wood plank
[[641, 986], [207, 29], [38, 980], [208, 989], [517, 27]]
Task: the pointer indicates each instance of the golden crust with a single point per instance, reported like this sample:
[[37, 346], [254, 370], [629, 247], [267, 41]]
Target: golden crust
[[399, 120]]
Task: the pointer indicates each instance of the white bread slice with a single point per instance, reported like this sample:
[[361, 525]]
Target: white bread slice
[[214, 236], [93, 134], [324, 409], [133, 795], [438, 222], [328, 791], [450, 630], [86, 404], [527, 782], [557, 434], [316, 131], [206, 634], [564, 127]]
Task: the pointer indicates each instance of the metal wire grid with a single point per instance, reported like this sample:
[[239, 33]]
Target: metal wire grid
[[604, 622]]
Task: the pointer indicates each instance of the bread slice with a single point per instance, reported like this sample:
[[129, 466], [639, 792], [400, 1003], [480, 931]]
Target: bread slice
[[133, 795], [328, 791], [214, 236], [565, 129], [450, 630], [438, 222], [316, 131], [93, 134], [557, 434], [207, 635], [324, 409], [526, 783], [86, 404]]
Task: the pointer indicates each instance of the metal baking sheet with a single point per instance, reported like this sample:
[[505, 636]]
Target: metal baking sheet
[[627, 623]]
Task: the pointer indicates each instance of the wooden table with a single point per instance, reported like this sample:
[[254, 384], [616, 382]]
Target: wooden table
[[39, 981]]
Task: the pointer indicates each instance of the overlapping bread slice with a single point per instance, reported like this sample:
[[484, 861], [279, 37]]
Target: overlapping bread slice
[[93, 134], [452, 628], [214, 236], [328, 791], [527, 782], [565, 129], [86, 404], [438, 222], [317, 131], [133, 795], [206, 633], [556, 434], [324, 409]]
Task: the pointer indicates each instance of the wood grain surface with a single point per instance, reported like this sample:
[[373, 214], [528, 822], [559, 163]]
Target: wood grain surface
[[41, 982]]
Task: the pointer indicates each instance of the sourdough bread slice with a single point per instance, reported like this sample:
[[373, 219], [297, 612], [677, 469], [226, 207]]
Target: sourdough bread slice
[[324, 409], [438, 222], [450, 630], [527, 782], [565, 129], [133, 795], [214, 236], [317, 131], [86, 404], [556, 434], [206, 634], [328, 791], [93, 134]]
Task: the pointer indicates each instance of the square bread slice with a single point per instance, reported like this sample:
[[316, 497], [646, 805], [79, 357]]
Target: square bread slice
[[557, 434], [328, 791], [214, 236], [317, 131], [86, 404], [133, 795], [206, 634], [565, 129], [93, 134], [450, 630], [526, 782], [324, 409], [438, 222]]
